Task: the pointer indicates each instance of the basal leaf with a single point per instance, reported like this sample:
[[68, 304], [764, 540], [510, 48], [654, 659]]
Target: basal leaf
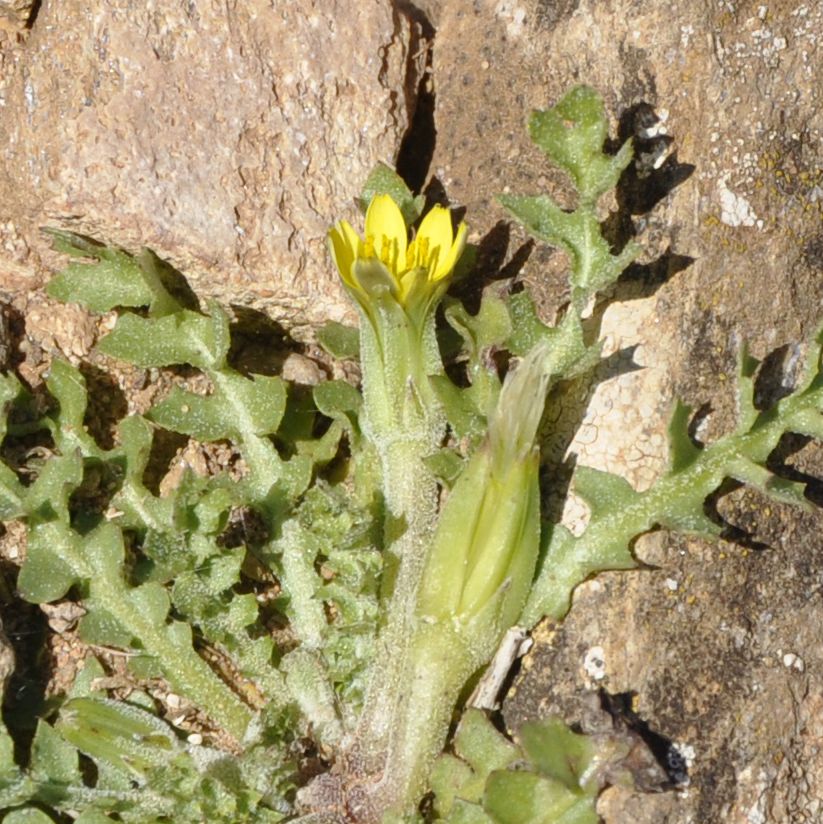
[[239, 407], [114, 279], [52, 758], [111, 277], [527, 328], [528, 798], [54, 562], [558, 753], [182, 337], [479, 744], [342, 342], [465, 419]]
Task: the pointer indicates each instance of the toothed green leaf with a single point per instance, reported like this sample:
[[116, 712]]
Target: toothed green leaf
[[68, 386], [338, 400], [459, 406], [683, 452], [480, 745], [112, 278], [239, 407], [603, 491], [528, 798], [593, 265], [560, 754], [451, 779], [54, 562], [12, 494], [572, 133], [52, 758], [527, 330], [183, 337], [483, 334], [446, 465]]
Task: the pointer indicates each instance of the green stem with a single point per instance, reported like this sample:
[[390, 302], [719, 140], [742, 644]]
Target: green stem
[[409, 529], [405, 425], [436, 666]]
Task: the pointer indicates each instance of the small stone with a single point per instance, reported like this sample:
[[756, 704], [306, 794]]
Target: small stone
[[793, 661], [595, 663]]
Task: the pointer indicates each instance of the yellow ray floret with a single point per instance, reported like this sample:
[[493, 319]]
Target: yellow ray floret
[[429, 257]]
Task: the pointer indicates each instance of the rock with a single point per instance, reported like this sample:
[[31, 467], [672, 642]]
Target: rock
[[225, 137], [16, 12]]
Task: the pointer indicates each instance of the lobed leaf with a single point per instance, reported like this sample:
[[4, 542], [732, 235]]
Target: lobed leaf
[[593, 266], [111, 279], [572, 133], [238, 408], [183, 337]]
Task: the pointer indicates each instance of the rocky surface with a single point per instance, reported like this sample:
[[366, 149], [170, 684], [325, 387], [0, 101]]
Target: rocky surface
[[227, 138]]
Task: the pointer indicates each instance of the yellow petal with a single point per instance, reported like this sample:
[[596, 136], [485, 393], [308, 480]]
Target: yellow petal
[[437, 228], [385, 220], [407, 280], [343, 243], [446, 262]]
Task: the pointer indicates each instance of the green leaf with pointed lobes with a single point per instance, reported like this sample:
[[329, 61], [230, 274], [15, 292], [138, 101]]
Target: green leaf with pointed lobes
[[560, 754], [239, 407], [462, 412], [602, 491], [52, 757], [529, 798], [111, 278], [593, 266], [480, 745], [54, 562], [572, 133], [114, 279], [182, 337], [67, 384]]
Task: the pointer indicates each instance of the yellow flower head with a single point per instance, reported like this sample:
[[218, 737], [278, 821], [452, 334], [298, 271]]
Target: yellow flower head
[[411, 266]]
